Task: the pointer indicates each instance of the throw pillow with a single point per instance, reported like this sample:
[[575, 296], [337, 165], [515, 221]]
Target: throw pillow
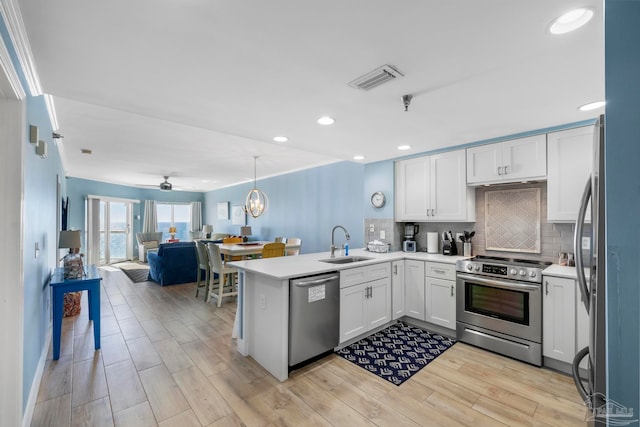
[[151, 244]]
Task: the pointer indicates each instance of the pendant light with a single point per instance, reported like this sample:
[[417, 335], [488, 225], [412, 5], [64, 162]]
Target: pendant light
[[257, 202]]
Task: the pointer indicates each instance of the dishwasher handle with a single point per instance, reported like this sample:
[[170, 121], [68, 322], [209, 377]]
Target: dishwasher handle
[[304, 284]]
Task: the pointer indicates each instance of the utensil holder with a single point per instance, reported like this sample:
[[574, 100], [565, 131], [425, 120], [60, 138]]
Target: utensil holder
[[467, 249]]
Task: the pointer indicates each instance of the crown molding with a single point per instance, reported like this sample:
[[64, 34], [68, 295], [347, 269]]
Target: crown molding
[[9, 70], [15, 25]]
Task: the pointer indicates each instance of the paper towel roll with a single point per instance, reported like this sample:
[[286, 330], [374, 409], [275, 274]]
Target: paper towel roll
[[432, 242]]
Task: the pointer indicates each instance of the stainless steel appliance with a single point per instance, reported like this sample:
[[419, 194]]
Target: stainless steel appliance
[[314, 316], [499, 306], [593, 389], [410, 232]]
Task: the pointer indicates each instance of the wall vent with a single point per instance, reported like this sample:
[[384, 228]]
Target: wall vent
[[375, 78]]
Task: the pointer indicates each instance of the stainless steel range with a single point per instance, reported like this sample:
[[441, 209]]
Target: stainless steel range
[[499, 306]]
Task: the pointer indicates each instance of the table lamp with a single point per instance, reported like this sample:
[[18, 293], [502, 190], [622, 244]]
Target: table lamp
[[70, 239], [207, 230], [245, 232], [172, 232]]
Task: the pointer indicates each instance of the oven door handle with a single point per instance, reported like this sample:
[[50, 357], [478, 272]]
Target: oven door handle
[[496, 283]]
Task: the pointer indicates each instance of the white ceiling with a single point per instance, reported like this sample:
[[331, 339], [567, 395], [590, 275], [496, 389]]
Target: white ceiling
[[195, 88]]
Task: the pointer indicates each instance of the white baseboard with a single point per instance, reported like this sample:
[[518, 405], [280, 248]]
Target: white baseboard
[[37, 379]]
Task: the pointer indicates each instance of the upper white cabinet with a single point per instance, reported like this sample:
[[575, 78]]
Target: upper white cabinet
[[570, 162], [433, 188], [508, 161]]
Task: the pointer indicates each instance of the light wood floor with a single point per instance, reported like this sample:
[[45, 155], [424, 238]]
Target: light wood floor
[[168, 359]]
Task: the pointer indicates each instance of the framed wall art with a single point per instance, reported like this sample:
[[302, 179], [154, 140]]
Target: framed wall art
[[223, 210]]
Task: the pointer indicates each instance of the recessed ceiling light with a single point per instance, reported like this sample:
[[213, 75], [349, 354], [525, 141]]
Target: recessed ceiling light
[[358, 157], [404, 147], [591, 106], [326, 120], [280, 138], [571, 21]]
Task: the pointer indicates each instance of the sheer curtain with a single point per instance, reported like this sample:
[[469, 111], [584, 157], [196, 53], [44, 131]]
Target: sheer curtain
[[150, 221], [196, 216]]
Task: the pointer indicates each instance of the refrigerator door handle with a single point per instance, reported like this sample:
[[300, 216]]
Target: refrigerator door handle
[[575, 372], [577, 245]]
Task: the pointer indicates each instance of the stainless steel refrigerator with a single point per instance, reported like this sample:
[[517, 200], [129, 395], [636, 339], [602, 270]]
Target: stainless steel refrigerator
[[592, 288]]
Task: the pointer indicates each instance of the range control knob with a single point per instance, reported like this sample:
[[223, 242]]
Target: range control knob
[[523, 273], [469, 267], [477, 267], [532, 274], [513, 272]]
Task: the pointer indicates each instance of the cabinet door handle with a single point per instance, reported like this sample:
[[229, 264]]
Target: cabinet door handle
[[499, 170], [428, 212], [546, 292], [505, 170], [395, 270], [370, 291], [433, 212], [451, 290], [437, 270]]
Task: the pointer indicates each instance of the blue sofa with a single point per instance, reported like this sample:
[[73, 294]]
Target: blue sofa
[[174, 263]]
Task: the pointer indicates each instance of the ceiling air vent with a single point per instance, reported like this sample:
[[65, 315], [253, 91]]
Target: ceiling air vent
[[375, 78]]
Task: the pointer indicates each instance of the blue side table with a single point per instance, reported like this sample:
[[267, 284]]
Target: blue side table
[[60, 286]]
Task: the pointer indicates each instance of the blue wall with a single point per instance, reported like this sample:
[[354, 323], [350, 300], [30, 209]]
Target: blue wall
[[622, 155], [78, 189], [305, 204], [39, 226]]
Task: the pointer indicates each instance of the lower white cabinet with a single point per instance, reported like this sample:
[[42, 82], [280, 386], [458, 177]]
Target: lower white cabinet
[[414, 304], [397, 289], [559, 319], [363, 306], [440, 299], [440, 294], [565, 323]]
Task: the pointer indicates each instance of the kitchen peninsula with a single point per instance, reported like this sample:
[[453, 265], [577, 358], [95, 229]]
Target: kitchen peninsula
[[262, 319]]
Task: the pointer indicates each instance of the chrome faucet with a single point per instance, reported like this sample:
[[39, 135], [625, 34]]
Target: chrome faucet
[[333, 246]]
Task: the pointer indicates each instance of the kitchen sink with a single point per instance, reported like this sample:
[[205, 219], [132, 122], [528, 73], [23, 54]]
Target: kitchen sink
[[346, 259]]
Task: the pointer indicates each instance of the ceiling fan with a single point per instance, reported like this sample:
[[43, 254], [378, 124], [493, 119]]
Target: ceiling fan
[[166, 185]]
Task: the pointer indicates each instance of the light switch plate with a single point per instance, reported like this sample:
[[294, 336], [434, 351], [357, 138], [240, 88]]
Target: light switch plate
[[458, 235], [371, 228], [382, 234], [586, 243]]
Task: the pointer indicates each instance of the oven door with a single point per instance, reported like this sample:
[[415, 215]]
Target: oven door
[[512, 308]]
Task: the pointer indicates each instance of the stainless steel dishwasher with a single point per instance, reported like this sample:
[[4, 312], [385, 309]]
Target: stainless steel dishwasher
[[314, 316]]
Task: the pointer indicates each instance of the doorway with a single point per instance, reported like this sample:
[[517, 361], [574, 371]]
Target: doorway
[[116, 240]]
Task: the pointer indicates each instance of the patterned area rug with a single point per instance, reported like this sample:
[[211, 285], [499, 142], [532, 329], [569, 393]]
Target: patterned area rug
[[136, 271], [397, 352]]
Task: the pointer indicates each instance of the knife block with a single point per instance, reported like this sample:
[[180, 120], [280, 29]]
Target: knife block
[[449, 248]]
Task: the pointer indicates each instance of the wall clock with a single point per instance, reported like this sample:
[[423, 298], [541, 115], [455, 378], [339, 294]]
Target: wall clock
[[378, 199]]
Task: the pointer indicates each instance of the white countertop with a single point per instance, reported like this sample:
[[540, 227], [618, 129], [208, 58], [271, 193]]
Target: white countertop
[[289, 267], [556, 270]]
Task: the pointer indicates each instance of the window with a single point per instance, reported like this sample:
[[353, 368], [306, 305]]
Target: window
[[176, 215]]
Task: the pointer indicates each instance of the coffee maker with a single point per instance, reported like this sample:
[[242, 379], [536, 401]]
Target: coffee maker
[[410, 232]]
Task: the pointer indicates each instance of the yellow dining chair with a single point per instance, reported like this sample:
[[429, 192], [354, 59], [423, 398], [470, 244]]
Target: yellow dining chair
[[231, 241], [225, 274], [271, 250], [293, 241]]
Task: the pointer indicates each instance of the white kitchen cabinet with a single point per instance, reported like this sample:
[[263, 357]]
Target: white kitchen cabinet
[[559, 319], [508, 161], [440, 294], [397, 289], [414, 289], [570, 160], [433, 188], [366, 304]]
